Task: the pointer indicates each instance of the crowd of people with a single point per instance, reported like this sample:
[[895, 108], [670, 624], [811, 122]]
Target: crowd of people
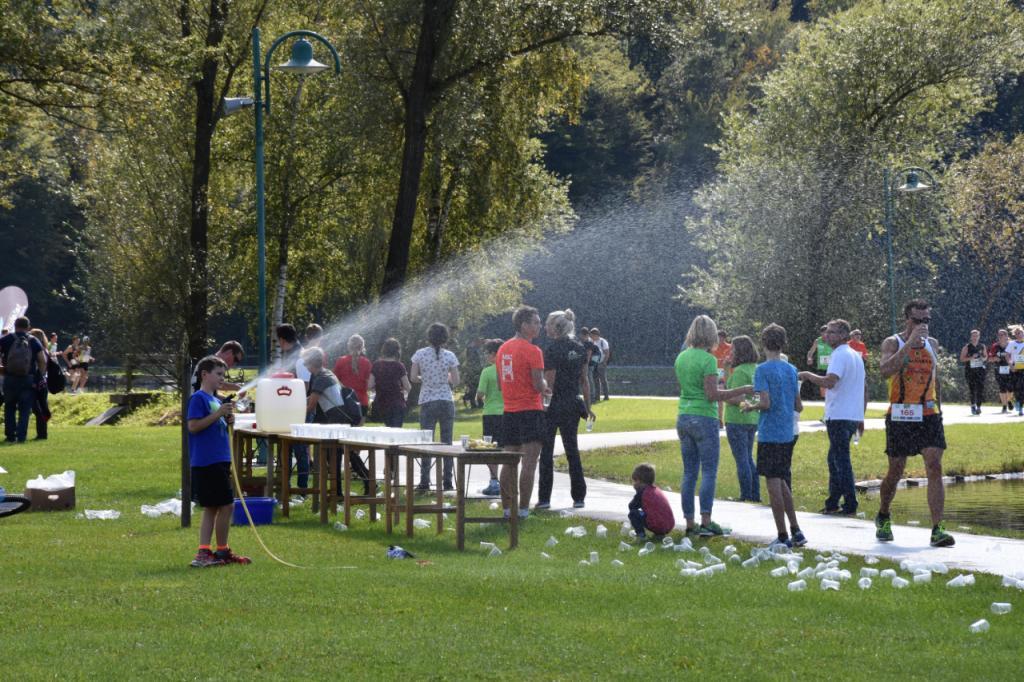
[[32, 370]]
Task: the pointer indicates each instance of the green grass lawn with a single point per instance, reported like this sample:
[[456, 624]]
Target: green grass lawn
[[972, 449], [90, 599]]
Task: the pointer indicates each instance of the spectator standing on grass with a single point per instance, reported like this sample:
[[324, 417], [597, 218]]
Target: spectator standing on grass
[[353, 370], [521, 378], [1000, 359], [857, 344], [845, 400], [778, 399], [488, 394], [593, 358], [41, 406], [740, 425], [291, 362], [913, 423], [232, 354], [722, 353], [819, 355], [24, 367], [51, 347], [1016, 350], [601, 371], [974, 355], [565, 371], [390, 383], [697, 423], [436, 369], [209, 452]]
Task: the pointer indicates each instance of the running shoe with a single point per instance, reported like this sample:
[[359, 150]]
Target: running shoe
[[205, 558], [493, 489], [226, 556], [710, 529], [798, 539], [940, 538], [578, 504], [541, 506], [883, 529]]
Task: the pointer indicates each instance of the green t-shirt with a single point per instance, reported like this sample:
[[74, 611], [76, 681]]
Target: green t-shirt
[[824, 353], [692, 365], [493, 402], [741, 376]]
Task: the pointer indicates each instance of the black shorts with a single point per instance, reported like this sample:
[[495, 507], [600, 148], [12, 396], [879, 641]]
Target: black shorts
[[492, 427], [905, 439], [519, 428], [1005, 381], [775, 459], [211, 485]]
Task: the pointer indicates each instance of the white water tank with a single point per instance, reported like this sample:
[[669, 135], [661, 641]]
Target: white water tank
[[280, 402]]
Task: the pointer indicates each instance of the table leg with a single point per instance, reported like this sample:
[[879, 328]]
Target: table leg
[[409, 494], [388, 491], [440, 493], [371, 465], [513, 522], [286, 475], [323, 454], [346, 475], [270, 468], [460, 507]]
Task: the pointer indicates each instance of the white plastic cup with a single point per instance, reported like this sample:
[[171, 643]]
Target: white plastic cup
[[488, 439], [827, 584], [593, 557], [864, 583], [617, 563], [920, 578], [1001, 607], [465, 442], [752, 562], [866, 572], [979, 626], [779, 572], [899, 583], [797, 586]]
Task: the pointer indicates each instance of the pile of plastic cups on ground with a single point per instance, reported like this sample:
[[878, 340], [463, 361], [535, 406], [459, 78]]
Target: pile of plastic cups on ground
[[371, 435]]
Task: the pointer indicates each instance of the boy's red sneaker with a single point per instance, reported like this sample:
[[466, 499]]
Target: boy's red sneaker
[[205, 558], [226, 556]]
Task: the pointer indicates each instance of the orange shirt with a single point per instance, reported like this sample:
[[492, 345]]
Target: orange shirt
[[860, 348], [721, 353], [914, 384], [516, 360]]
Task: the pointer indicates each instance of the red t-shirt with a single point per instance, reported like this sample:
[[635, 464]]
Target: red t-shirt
[[860, 348], [354, 380], [721, 353], [659, 512], [516, 359]]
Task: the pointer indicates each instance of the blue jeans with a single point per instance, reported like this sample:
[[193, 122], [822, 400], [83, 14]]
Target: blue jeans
[[698, 444], [432, 413], [19, 396], [840, 469], [741, 442]]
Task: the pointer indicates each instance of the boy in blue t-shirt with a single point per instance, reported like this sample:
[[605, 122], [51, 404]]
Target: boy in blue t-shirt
[[209, 451], [776, 385]]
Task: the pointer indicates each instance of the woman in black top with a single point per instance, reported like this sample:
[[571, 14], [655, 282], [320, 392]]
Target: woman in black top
[[973, 355], [565, 370], [1000, 358]]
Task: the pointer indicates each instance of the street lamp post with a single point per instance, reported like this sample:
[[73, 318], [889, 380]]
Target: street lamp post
[[912, 185], [302, 64]]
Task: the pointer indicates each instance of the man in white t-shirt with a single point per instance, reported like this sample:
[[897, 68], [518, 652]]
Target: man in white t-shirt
[[845, 400], [601, 371], [1015, 349]]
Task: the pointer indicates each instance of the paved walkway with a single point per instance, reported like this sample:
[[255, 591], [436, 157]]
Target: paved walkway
[[754, 523]]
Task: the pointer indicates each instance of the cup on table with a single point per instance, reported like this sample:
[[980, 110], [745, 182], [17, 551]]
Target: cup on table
[[465, 442], [488, 439]]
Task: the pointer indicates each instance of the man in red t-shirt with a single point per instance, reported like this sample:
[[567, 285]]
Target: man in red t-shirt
[[722, 352], [856, 342], [521, 379]]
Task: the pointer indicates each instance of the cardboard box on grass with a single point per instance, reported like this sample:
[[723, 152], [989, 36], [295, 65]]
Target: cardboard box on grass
[[51, 500]]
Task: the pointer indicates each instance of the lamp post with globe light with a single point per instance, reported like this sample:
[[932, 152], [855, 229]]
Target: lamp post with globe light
[[912, 185]]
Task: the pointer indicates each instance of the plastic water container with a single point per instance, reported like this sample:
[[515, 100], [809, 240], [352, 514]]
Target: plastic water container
[[260, 508], [280, 402]]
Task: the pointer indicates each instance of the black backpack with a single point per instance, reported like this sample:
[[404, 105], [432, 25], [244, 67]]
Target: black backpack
[[56, 377], [19, 357]]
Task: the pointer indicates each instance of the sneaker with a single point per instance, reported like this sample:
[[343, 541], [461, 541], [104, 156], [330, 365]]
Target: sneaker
[[883, 529], [798, 539], [226, 556], [709, 530], [423, 488], [940, 538], [205, 558], [493, 489], [541, 506], [830, 512], [524, 514], [578, 504]]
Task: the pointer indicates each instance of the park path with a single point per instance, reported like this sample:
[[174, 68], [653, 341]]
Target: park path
[[753, 522]]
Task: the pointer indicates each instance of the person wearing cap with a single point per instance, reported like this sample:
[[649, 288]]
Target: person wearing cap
[[857, 343]]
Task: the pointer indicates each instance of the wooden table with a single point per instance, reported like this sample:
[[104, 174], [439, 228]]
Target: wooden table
[[463, 459]]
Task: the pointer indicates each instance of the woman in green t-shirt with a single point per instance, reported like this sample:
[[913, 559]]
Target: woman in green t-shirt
[[741, 427], [697, 424]]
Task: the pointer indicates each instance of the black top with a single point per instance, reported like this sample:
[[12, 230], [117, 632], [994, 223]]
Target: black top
[[566, 356]]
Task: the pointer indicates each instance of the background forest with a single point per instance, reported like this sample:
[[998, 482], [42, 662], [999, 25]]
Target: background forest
[[637, 161]]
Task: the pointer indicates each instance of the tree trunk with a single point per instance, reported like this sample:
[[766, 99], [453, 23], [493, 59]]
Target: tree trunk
[[198, 298], [437, 15]]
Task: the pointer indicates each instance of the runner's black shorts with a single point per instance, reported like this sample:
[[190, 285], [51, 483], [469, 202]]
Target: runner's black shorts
[[211, 485], [519, 428], [774, 460], [492, 427], [1005, 381], [905, 439]]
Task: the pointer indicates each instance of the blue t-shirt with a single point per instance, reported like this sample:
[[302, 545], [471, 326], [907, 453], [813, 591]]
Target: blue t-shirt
[[778, 378], [211, 445]]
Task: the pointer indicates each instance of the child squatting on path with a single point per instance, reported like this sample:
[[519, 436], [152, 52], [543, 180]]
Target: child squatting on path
[[649, 510], [775, 384], [209, 452]]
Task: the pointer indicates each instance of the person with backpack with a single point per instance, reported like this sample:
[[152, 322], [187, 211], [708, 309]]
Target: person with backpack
[[41, 405], [24, 366]]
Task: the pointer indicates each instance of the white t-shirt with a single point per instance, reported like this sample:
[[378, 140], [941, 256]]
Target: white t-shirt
[[434, 373], [845, 400], [1016, 351], [602, 343]]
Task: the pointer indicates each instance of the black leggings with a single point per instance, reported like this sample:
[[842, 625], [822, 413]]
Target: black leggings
[[568, 423], [1018, 387], [976, 385]]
